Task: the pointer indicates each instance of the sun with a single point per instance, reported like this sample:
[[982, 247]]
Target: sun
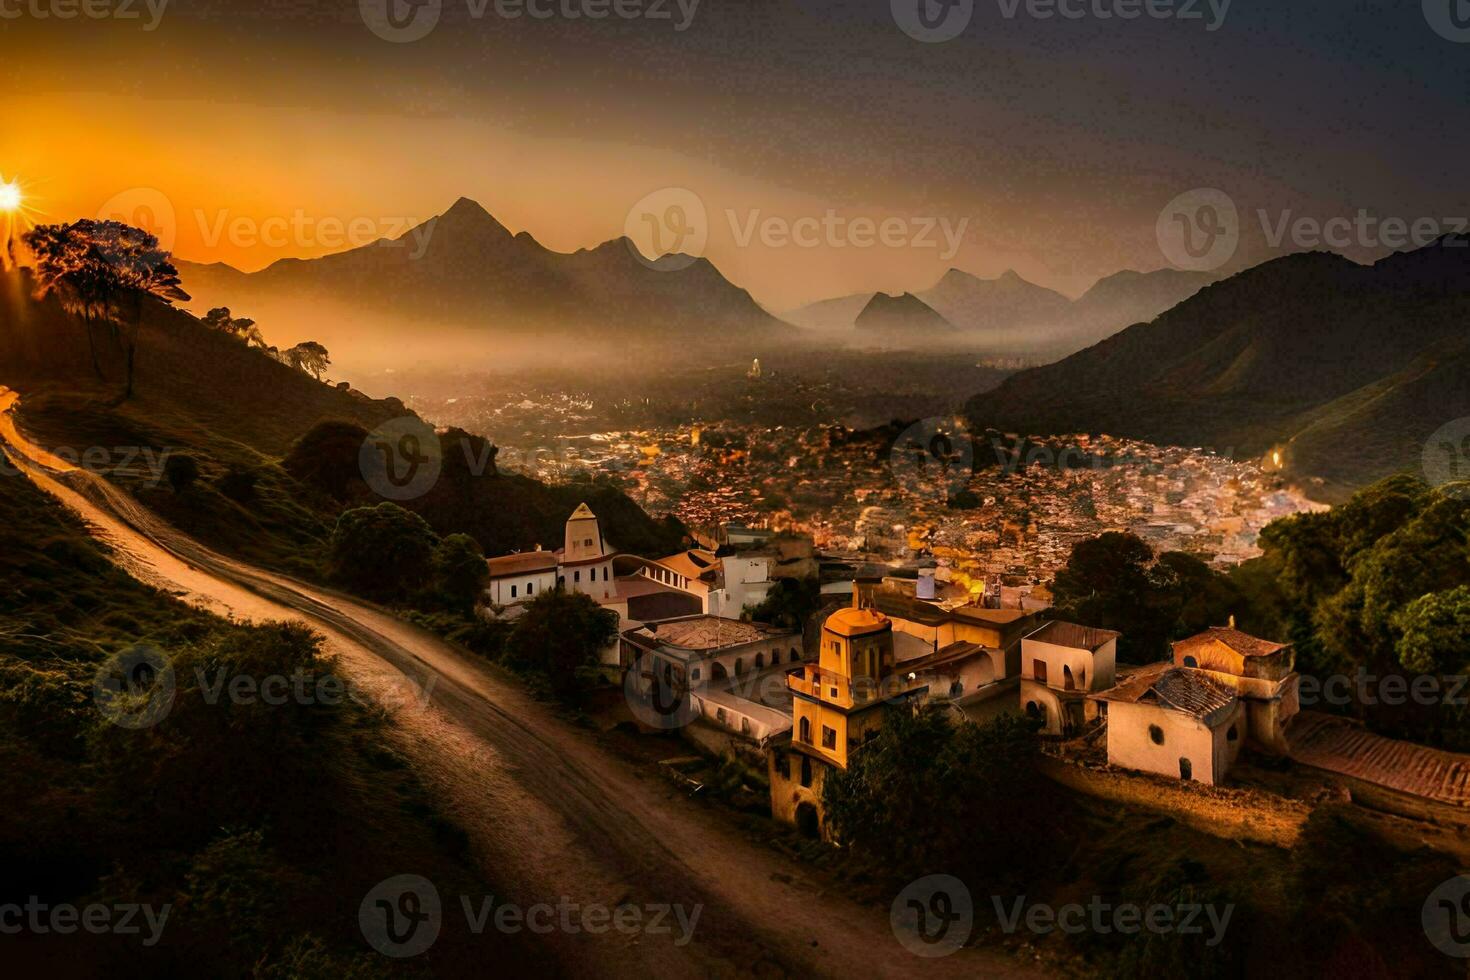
[[10, 197]]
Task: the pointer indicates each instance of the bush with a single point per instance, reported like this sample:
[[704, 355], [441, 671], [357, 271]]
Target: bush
[[382, 552], [181, 471]]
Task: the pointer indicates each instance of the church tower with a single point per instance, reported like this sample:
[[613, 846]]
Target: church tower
[[586, 561]]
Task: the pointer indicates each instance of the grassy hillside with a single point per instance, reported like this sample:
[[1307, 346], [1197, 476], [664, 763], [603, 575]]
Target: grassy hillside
[[1348, 369], [261, 825]]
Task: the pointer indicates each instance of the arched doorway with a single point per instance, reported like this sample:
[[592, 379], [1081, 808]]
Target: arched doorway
[[760, 661], [1069, 683], [807, 821], [718, 671], [1186, 769], [794, 655]]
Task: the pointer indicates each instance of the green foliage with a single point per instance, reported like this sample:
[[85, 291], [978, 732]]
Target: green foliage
[[382, 552], [460, 572], [1115, 582], [560, 635], [1376, 585], [923, 792], [789, 603]]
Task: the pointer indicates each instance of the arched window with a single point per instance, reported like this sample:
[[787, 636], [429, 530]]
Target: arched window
[[1191, 662], [794, 655], [1156, 734], [577, 576], [530, 588], [956, 689], [1069, 683], [1033, 710], [806, 771], [806, 732], [739, 666], [717, 672], [760, 661]]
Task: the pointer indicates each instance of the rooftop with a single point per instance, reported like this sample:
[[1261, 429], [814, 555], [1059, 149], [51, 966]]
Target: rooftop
[[1064, 634], [522, 564], [1179, 688], [856, 622], [707, 632], [1242, 643]]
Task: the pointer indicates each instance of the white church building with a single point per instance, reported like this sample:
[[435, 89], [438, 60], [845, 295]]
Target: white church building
[[582, 564]]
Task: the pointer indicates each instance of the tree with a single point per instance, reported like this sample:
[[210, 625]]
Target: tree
[[1436, 632], [181, 471], [560, 634], [789, 602], [241, 328], [309, 356], [105, 270], [382, 552], [460, 572]]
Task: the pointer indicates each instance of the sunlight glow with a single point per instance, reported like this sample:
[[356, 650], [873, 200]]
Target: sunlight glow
[[10, 197]]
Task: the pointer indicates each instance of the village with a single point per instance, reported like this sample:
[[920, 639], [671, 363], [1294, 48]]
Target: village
[[799, 702]]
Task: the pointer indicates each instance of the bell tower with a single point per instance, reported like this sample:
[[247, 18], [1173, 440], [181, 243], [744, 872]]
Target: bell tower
[[584, 536]]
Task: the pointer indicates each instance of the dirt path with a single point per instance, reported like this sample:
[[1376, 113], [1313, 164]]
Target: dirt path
[[548, 810]]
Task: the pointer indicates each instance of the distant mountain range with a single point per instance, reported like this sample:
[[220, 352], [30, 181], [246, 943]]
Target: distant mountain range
[[900, 319], [463, 277], [1010, 313], [1347, 370]]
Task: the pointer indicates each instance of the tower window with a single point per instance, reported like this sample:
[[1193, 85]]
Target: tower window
[[829, 737], [577, 576], [1156, 734]]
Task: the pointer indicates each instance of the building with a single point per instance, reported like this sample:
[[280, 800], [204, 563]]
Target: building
[[583, 564], [726, 583], [1061, 664], [1261, 672], [1174, 721], [838, 703], [729, 673]]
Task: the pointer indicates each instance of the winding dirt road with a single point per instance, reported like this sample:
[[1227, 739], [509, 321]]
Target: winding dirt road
[[549, 811]]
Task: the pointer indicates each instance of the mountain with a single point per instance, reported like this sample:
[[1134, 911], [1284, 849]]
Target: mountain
[[901, 319], [463, 279], [1347, 370], [837, 314], [1009, 313], [1126, 298], [1007, 303]]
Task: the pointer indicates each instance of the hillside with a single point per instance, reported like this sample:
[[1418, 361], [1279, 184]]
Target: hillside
[[463, 280], [239, 414], [994, 306], [1346, 369]]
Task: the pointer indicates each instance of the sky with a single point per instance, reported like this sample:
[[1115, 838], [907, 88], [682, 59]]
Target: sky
[[789, 131]]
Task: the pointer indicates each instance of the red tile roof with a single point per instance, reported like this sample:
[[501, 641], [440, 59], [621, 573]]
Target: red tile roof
[[1242, 643]]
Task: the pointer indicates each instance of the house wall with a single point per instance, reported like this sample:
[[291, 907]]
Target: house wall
[[526, 586], [1091, 672], [595, 580], [1062, 714], [787, 793], [1209, 751]]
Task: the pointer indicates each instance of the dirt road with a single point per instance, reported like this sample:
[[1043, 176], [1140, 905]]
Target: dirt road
[[548, 810]]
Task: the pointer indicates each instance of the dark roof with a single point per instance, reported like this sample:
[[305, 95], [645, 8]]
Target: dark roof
[[1064, 634], [526, 561], [1242, 643], [906, 607], [953, 653], [1178, 688]]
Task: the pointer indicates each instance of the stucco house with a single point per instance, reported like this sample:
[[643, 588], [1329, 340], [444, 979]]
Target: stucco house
[[1174, 721], [1062, 663], [1260, 672]]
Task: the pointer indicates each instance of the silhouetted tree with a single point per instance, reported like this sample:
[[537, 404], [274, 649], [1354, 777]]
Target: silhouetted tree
[[181, 471], [104, 270], [460, 572], [309, 356]]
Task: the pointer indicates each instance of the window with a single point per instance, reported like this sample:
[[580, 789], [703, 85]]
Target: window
[[577, 576], [956, 689], [760, 661], [806, 771], [739, 666], [1232, 735], [834, 692], [530, 587], [1191, 662], [783, 765], [694, 674], [829, 737], [794, 655], [1038, 670], [588, 542], [512, 591], [806, 730], [1156, 734], [1033, 710], [720, 715], [744, 725]]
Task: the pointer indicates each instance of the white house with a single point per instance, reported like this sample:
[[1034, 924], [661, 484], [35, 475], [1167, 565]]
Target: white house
[[1174, 721], [1062, 663], [583, 564]]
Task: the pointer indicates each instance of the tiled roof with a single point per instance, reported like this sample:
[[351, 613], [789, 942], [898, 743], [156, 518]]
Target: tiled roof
[[524, 563], [1180, 688], [1065, 634], [1242, 643]]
